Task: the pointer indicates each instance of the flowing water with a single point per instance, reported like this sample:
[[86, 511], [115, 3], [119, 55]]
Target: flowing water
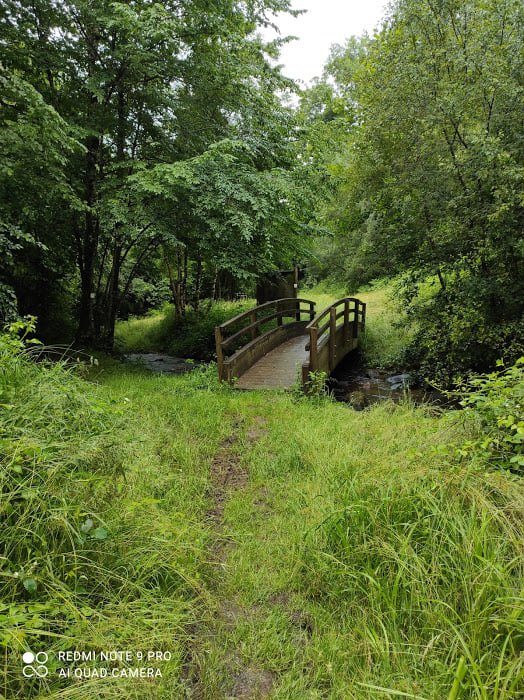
[[159, 362], [361, 386]]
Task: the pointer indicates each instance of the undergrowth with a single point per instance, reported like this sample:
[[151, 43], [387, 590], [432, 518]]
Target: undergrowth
[[428, 572], [192, 337], [369, 555], [100, 550]]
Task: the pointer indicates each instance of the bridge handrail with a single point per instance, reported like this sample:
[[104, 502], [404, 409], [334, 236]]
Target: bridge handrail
[[276, 309], [255, 309], [327, 310], [318, 338]]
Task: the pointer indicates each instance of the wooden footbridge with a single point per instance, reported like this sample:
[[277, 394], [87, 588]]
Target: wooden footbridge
[[276, 343]]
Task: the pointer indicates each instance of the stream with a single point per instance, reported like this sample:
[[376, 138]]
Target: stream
[[361, 386], [159, 362]]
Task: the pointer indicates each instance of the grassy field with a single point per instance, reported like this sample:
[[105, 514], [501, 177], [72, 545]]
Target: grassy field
[[341, 556], [274, 546]]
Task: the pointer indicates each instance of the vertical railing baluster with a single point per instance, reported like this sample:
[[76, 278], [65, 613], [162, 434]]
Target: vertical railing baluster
[[332, 336], [220, 352], [281, 311], [313, 349], [347, 334], [253, 319]]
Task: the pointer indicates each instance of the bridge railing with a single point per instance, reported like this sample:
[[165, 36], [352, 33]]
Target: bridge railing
[[333, 333], [263, 328]]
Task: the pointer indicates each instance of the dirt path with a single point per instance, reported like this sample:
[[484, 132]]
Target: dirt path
[[228, 477]]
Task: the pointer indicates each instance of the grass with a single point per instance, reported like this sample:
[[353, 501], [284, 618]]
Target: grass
[[355, 557], [387, 331], [71, 455], [193, 337]]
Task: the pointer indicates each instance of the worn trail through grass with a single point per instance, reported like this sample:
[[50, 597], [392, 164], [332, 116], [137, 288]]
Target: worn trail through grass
[[229, 476]]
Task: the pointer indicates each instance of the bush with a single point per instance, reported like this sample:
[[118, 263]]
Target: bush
[[495, 403], [144, 296], [461, 329], [8, 306]]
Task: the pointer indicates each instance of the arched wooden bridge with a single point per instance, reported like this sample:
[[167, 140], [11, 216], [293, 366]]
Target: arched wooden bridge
[[275, 344]]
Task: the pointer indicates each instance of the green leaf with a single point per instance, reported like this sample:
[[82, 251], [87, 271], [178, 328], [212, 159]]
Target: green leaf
[[30, 585], [100, 533]]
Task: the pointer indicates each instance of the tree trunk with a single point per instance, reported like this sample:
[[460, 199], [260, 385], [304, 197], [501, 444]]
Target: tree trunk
[[88, 247], [112, 300], [174, 283], [198, 284]]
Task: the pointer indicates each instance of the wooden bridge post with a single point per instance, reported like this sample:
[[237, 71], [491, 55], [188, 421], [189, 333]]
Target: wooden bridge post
[[313, 349], [346, 322], [363, 328], [332, 336], [281, 311], [253, 319], [220, 352]]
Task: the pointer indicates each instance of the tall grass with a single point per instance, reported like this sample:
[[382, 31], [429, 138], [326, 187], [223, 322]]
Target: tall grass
[[430, 572], [367, 562], [101, 540]]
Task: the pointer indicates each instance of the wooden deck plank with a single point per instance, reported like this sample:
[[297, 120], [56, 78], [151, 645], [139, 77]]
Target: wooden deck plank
[[278, 369]]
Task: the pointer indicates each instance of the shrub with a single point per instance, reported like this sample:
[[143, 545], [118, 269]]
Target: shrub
[[458, 331], [191, 337], [144, 296], [495, 403]]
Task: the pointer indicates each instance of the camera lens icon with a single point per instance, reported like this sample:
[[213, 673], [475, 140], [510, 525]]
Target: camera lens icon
[[39, 670]]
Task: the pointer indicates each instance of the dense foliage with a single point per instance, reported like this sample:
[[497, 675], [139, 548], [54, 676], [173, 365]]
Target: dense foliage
[[140, 139], [496, 403], [424, 176]]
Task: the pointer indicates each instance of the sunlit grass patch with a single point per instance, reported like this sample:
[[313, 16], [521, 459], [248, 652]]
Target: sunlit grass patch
[[193, 336]]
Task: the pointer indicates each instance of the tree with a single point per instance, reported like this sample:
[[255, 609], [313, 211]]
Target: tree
[[35, 144], [235, 217], [432, 184], [140, 83]]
